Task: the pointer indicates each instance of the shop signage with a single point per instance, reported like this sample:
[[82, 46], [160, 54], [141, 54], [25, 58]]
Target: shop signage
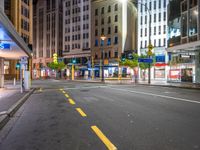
[[145, 60], [4, 46], [24, 60]]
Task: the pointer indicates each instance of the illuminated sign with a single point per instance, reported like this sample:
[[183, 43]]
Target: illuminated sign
[[4, 46], [55, 58]]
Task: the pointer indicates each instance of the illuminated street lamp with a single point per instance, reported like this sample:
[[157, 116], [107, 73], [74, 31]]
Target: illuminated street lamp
[[103, 37], [150, 46]]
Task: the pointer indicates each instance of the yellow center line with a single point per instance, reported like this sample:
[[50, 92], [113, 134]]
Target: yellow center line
[[61, 89], [63, 92], [103, 138], [66, 95], [71, 101], [81, 112]]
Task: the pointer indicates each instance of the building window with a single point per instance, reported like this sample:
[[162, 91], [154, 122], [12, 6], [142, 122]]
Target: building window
[[159, 42], [164, 16], [109, 30], [155, 43], [145, 31], [154, 17], [154, 30], [109, 8], [109, 19], [146, 19], [159, 17], [96, 22], [159, 4], [164, 41], [102, 10], [102, 31], [149, 5], [141, 44], [116, 40], [164, 3], [154, 5], [140, 32], [116, 54], [164, 29], [141, 21], [116, 7], [96, 42], [102, 21], [96, 12], [116, 18], [184, 24], [96, 32], [159, 30], [116, 29], [109, 41]]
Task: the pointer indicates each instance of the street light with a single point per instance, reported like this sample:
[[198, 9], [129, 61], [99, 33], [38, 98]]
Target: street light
[[103, 37], [150, 47]]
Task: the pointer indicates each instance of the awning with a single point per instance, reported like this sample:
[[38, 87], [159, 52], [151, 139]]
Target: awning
[[16, 47], [188, 46]]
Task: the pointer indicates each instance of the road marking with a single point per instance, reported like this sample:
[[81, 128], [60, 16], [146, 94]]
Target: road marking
[[103, 138], [66, 95], [63, 92], [71, 101], [79, 88], [81, 112], [61, 89], [163, 96]]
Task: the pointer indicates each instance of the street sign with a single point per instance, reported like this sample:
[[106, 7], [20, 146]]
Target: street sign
[[149, 53], [145, 60], [150, 47]]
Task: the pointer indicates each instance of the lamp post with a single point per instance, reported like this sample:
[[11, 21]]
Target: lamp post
[[103, 37], [150, 47]]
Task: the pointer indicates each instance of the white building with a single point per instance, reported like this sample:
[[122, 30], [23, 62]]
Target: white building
[[158, 33], [76, 30]]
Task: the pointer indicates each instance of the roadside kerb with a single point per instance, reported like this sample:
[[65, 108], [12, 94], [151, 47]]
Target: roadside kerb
[[11, 111], [174, 86]]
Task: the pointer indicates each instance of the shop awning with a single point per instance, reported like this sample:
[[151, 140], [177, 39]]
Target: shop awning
[[12, 46]]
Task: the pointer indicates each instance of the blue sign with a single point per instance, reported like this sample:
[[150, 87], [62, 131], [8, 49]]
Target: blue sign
[[145, 60], [4, 46], [160, 58]]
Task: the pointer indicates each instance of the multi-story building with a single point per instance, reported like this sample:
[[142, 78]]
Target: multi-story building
[[76, 31], [20, 14], [47, 35], [184, 40], [116, 20], [155, 12]]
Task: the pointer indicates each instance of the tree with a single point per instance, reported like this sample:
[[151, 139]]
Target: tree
[[57, 66], [132, 63]]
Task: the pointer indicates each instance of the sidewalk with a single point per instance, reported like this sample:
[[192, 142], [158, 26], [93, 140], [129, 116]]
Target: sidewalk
[[11, 99]]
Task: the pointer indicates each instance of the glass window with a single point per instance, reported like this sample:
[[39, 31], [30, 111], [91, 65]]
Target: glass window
[[102, 10], [96, 42], [116, 18], [109, 8], [116, 7], [193, 17], [154, 5], [116, 40], [109, 41], [96, 12], [184, 24]]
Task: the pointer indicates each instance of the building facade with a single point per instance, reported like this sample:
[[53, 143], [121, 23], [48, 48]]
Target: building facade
[[156, 14], [76, 31], [184, 41], [47, 35], [21, 15], [116, 20]]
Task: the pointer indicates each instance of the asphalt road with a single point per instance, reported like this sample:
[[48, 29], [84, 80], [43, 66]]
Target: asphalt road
[[82, 116]]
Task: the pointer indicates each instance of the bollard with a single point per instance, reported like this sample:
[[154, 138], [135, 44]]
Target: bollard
[[14, 82]]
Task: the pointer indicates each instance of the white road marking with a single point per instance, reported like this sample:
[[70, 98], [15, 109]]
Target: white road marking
[[79, 88], [152, 94]]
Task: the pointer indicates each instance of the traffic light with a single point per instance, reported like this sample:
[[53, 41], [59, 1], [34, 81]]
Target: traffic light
[[123, 57], [17, 66], [73, 60]]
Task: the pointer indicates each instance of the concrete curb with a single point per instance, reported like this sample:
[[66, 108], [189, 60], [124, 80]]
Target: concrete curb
[[12, 110], [174, 86]]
